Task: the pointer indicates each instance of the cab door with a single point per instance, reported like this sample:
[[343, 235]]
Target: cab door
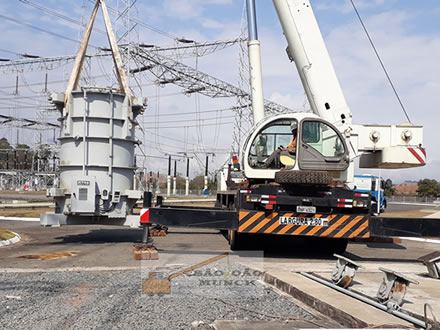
[[321, 147]]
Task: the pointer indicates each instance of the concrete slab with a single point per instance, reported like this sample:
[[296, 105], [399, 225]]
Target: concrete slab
[[260, 325], [435, 215], [342, 308]]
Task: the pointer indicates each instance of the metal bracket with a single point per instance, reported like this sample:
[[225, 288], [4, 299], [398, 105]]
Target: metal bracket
[[344, 272], [432, 262], [392, 290]]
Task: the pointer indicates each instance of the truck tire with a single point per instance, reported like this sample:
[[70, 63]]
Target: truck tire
[[304, 177]]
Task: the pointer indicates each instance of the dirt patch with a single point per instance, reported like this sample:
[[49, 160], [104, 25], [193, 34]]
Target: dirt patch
[[407, 214], [6, 234], [80, 295], [51, 255]]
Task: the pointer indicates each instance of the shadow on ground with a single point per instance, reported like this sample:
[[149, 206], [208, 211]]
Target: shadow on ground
[[101, 236]]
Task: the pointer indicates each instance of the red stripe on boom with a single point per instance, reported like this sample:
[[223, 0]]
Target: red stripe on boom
[[415, 154]]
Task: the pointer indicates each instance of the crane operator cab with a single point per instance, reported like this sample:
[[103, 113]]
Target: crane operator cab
[[275, 146], [297, 142]]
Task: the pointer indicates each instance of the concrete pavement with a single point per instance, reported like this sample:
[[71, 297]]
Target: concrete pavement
[[105, 248]]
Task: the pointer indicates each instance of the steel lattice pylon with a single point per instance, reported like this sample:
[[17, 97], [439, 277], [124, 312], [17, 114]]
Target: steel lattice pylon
[[168, 70]]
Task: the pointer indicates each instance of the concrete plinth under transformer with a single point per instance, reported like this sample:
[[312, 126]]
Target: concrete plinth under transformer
[[51, 219]]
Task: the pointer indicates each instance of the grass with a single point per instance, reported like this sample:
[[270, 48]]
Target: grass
[[5, 234], [24, 212]]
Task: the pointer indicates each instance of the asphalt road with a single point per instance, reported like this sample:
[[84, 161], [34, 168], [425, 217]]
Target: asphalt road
[[107, 246]]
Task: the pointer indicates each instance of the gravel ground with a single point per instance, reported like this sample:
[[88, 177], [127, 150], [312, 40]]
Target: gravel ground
[[114, 300]]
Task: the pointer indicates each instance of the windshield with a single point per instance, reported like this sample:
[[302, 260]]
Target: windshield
[[275, 136]]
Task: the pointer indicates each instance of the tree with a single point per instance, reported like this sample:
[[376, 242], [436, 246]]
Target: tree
[[24, 157], [6, 157], [4, 144], [428, 188], [198, 183], [388, 189]]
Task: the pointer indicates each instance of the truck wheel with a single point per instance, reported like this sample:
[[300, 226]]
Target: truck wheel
[[374, 208], [234, 240], [304, 177]]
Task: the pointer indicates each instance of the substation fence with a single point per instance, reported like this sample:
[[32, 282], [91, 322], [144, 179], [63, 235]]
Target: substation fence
[[27, 180], [414, 199]]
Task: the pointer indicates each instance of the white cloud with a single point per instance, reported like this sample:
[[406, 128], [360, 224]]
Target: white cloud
[[189, 9], [291, 101], [346, 6], [211, 24]]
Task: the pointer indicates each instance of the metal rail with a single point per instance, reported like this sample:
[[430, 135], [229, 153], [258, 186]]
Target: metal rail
[[366, 300]]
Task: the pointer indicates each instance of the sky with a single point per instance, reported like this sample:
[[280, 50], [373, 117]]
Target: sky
[[406, 34]]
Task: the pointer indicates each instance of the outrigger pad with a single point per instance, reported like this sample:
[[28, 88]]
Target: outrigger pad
[[344, 272], [432, 262], [393, 288]]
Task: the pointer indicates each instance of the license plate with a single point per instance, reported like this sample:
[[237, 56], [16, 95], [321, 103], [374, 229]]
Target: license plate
[[300, 221], [305, 209]]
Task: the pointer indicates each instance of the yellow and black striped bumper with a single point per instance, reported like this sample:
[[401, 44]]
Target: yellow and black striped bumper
[[339, 225]]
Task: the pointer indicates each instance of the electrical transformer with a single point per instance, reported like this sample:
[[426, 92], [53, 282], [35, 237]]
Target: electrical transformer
[[97, 158]]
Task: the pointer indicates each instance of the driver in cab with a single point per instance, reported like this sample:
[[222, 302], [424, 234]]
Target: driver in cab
[[273, 161]]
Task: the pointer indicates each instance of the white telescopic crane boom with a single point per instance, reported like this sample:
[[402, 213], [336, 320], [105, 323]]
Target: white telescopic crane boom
[[255, 74], [379, 146], [308, 50]]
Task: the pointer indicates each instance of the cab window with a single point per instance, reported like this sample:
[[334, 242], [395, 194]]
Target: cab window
[[277, 134], [322, 138]]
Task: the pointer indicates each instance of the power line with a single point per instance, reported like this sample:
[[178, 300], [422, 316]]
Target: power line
[[180, 141], [380, 60], [150, 27], [195, 120], [226, 123], [18, 102], [193, 80], [44, 30], [52, 81], [23, 97], [9, 52], [57, 14], [192, 112], [25, 106], [199, 49]]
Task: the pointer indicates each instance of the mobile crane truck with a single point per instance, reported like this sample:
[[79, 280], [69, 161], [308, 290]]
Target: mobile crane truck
[[304, 190]]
